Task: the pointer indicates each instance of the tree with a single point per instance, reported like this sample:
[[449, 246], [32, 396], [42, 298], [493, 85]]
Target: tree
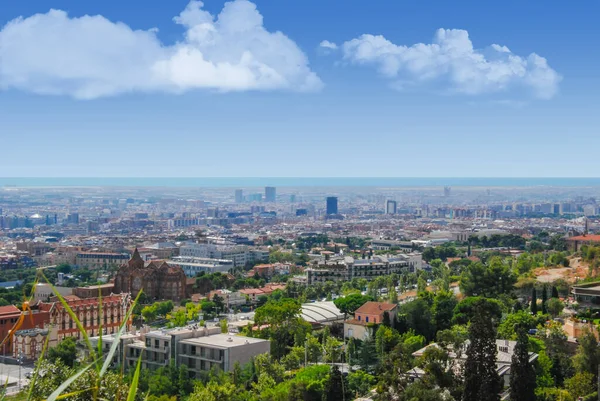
[[219, 303], [587, 358], [580, 385], [507, 330], [544, 299], [350, 303], [522, 373], [360, 383], [554, 306], [443, 309], [489, 280], [417, 316], [66, 351], [335, 389], [534, 302], [208, 307], [224, 326], [481, 379]]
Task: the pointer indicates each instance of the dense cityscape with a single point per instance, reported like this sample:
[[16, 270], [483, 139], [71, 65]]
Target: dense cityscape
[[366, 293], [260, 200]]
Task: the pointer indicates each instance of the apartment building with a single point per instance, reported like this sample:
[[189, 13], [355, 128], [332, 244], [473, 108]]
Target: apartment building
[[100, 260], [348, 268], [238, 254], [193, 265], [197, 348]]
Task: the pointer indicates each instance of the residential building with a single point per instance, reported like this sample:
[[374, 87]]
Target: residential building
[[369, 314], [43, 292], [575, 243], [347, 268], [504, 352], [100, 260], [192, 265], [238, 254], [220, 351], [199, 349], [587, 292]]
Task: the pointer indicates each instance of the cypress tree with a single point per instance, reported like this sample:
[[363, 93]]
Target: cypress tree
[[335, 388], [544, 299], [522, 373], [534, 302], [482, 382], [554, 292]]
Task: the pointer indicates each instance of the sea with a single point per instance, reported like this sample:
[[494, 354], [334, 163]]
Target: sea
[[224, 182]]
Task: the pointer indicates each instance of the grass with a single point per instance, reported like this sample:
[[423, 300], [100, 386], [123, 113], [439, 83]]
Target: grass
[[96, 361]]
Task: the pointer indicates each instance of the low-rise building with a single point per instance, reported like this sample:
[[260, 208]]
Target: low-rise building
[[197, 348], [504, 348], [369, 314], [193, 265], [100, 260]]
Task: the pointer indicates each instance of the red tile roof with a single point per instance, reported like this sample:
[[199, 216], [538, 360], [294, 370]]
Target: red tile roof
[[585, 238], [374, 308], [9, 309]]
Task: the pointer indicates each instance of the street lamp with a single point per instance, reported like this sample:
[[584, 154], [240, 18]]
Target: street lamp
[[20, 360]]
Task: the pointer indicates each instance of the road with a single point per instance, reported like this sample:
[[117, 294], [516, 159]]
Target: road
[[9, 376]]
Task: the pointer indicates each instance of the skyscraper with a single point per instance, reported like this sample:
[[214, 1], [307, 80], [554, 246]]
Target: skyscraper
[[390, 207], [239, 196], [270, 194], [332, 205]]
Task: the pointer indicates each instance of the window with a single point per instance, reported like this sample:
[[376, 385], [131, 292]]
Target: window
[[359, 318], [193, 350], [156, 344], [367, 319]]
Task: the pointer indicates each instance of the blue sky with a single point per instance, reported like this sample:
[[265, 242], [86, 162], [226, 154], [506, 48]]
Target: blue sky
[[228, 96]]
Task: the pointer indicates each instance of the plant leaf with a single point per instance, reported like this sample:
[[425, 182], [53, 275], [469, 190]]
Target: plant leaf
[[134, 383], [117, 337], [67, 383]]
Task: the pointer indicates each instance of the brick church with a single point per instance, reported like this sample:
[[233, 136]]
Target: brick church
[[158, 279]]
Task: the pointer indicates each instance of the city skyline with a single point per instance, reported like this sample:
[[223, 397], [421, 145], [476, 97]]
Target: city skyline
[[393, 89]]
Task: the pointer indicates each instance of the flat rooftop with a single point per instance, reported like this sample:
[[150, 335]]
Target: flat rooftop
[[223, 341]]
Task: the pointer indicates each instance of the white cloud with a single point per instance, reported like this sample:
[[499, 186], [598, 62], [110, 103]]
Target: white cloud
[[452, 62], [328, 45], [90, 56]]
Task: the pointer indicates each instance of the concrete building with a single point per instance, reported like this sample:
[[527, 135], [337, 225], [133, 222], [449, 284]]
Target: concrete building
[[192, 265], [197, 348], [390, 207], [368, 314], [332, 205], [239, 196], [238, 254], [43, 292], [221, 351], [586, 292], [270, 194], [504, 348], [100, 260], [347, 268]]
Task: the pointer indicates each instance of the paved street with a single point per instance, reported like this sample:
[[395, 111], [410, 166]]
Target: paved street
[[9, 376]]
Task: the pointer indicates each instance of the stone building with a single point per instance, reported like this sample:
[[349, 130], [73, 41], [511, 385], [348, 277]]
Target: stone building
[[158, 279]]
